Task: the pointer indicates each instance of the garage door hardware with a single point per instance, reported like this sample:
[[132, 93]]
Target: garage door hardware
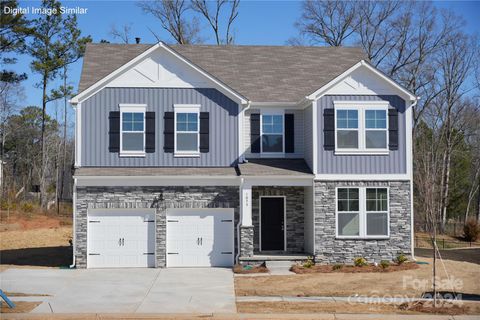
[[227, 252], [172, 252], [149, 221], [199, 241], [94, 221], [94, 254], [172, 220], [149, 253], [226, 220], [121, 241]]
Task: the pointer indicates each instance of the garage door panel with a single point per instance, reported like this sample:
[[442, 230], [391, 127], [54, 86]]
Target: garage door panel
[[121, 238], [199, 237]]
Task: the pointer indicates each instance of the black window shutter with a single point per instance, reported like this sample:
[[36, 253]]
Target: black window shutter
[[149, 132], [289, 133], [393, 129], [114, 131], [255, 132], [329, 129], [204, 132], [169, 132]]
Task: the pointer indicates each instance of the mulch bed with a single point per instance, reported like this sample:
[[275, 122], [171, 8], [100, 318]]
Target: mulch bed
[[353, 269], [443, 307], [254, 269]]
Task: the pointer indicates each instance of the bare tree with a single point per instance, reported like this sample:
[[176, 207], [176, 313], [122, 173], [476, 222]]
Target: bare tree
[[172, 16], [213, 17], [124, 33], [328, 22]]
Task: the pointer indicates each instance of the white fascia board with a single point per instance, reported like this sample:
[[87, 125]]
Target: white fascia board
[[301, 181], [363, 177], [100, 84], [78, 135], [112, 181], [320, 92]]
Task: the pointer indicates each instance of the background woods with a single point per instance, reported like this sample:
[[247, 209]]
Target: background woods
[[425, 49]]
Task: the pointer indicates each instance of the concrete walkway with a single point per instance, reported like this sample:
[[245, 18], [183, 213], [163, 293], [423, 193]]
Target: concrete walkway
[[199, 290]]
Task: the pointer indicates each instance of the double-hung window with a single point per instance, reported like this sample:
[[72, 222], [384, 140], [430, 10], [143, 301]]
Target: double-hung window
[[272, 133], [362, 213], [187, 129], [361, 127], [132, 136]]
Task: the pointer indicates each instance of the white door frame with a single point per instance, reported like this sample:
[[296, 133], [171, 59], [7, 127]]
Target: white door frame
[[172, 212], [284, 220], [124, 211]]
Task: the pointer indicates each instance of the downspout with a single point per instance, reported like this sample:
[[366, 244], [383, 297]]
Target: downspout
[[240, 216], [74, 209], [412, 226]]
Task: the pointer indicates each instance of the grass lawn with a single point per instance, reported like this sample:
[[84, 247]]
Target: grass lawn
[[411, 283]]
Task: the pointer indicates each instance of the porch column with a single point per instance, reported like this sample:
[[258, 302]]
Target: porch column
[[246, 228]]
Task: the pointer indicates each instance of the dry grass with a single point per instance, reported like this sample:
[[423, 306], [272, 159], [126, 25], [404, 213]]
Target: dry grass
[[357, 308], [20, 307], [353, 269], [346, 284]]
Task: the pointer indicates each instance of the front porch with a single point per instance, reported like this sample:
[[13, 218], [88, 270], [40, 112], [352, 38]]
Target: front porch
[[276, 214]]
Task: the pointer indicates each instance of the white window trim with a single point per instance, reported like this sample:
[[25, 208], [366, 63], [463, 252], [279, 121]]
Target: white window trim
[[128, 107], [186, 108], [361, 106], [272, 113], [362, 213]]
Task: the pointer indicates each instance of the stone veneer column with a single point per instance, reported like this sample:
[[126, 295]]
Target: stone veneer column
[[246, 241]]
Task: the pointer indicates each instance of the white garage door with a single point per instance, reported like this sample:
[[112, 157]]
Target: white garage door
[[121, 238], [200, 237]]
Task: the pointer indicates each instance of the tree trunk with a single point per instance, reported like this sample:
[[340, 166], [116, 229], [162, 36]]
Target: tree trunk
[[43, 191], [65, 111]]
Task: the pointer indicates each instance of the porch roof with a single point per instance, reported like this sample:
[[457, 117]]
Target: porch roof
[[157, 171], [275, 167]]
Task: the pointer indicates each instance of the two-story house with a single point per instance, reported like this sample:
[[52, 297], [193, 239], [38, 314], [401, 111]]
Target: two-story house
[[191, 155]]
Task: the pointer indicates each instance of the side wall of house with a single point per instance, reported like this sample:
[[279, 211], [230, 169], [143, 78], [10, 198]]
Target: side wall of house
[[148, 197], [330, 249], [95, 126]]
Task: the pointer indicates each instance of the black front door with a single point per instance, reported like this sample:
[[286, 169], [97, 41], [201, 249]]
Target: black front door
[[273, 211]]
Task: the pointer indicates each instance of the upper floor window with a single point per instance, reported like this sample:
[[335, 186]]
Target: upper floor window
[[187, 130], [362, 212], [361, 127], [132, 136], [272, 133]]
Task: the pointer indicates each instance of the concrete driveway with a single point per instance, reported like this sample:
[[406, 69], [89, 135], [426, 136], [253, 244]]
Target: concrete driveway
[[199, 290]]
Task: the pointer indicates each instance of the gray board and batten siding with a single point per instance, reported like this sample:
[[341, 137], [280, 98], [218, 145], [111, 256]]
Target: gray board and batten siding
[[393, 163], [223, 126]]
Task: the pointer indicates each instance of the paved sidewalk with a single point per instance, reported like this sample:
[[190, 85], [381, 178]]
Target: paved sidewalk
[[242, 316]]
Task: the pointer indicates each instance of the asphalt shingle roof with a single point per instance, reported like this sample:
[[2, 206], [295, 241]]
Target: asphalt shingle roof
[[259, 73]]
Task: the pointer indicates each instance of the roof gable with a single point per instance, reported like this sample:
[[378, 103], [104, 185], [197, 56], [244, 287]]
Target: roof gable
[[259, 73]]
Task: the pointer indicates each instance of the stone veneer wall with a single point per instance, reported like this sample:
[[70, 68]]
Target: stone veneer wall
[[295, 215], [328, 249], [246, 241], [148, 197]]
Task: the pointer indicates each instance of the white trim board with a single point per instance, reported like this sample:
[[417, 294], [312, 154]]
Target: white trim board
[[284, 220], [363, 177]]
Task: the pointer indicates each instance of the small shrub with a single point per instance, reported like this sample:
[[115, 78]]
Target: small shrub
[[471, 230], [6, 205], [360, 262], [384, 264], [401, 258], [27, 207], [308, 263], [337, 267]]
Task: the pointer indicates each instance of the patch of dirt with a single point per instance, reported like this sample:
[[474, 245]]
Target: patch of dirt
[[408, 283], [357, 308], [35, 238], [353, 269], [254, 269], [20, 307]]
